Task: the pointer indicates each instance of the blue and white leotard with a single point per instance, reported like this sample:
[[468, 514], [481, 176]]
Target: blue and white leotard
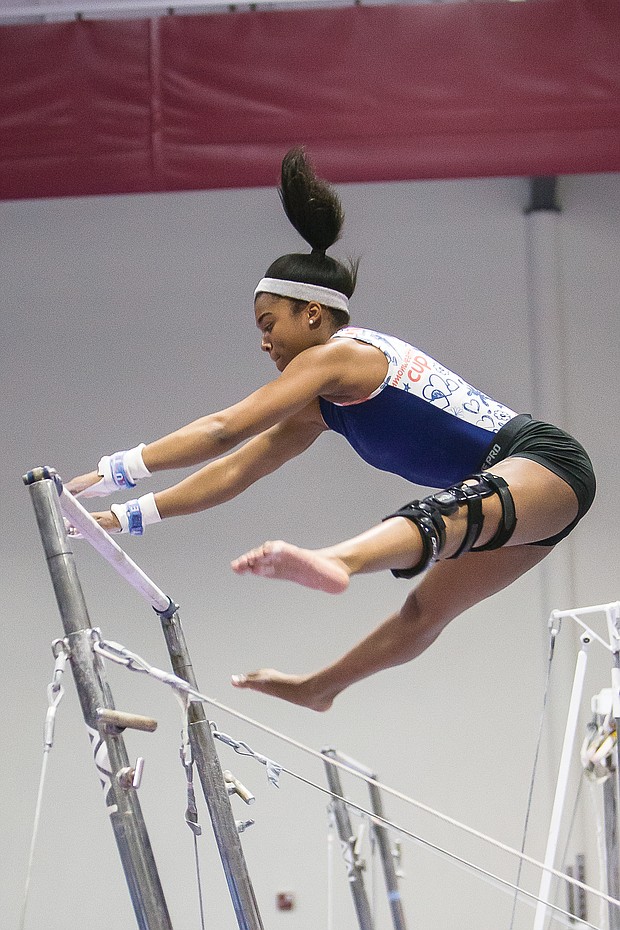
[[423, 422]]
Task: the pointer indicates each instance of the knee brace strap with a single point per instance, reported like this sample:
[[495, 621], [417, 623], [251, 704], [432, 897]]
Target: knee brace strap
[[432, 529], [428, 515], [509, 517], [473, 495]]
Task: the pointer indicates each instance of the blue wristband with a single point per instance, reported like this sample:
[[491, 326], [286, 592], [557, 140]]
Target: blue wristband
[[134, 518], [119, 476]]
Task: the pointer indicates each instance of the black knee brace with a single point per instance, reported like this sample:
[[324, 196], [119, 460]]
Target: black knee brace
[[428, 519], [428, 515]]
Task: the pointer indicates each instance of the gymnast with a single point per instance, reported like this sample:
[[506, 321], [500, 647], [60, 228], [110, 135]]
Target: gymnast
[[512, 487]]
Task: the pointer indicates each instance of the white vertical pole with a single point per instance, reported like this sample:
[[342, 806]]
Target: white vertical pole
[[548, 361], [548, 364], [562, 784]]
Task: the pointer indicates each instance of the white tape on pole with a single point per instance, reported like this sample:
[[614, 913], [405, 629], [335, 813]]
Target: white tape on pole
[[105, 545]]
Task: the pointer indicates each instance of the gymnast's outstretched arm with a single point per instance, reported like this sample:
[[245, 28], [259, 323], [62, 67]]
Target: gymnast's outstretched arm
[[280, 420], [341, 369], [226, 477], [316, 370]]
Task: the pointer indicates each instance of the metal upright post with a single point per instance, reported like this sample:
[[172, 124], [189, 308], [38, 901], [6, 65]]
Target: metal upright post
[[612, 864], [611, 788], [94, 694], [612, 792], [212, 782], [603, 767], [387, 858], [383, 838], [202, 743], [347, 840]]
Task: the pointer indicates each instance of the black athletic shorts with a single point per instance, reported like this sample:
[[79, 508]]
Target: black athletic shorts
[[526, 438]]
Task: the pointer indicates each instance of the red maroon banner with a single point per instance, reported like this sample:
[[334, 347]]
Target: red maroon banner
[[375, 93]]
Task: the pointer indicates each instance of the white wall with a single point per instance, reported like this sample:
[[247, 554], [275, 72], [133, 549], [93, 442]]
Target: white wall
[[123, 318]]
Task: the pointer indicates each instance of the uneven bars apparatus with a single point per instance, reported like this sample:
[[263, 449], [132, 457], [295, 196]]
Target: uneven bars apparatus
[[345, 833], [50, 500], [612, 614]]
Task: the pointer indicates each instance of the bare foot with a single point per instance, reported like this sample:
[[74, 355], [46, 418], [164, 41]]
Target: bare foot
[[303, 566], [293, 688]]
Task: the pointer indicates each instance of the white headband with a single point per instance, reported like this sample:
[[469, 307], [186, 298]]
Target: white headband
[[299, 291]]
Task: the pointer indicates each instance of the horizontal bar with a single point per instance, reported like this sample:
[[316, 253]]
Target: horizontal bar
[[350, 763], [600, 608], [102, 542]]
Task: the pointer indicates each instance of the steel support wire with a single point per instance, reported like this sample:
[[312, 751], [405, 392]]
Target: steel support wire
[[133, 662]]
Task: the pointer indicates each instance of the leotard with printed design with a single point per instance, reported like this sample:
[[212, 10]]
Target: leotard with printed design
[[424, 422]]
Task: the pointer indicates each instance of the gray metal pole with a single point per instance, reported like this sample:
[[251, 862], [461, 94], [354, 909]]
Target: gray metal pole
[[611, 788], [611, 807], [347, 840], [212, 782], [387, 858], [94, 693], [203, 746], [383, 839], [610, 816]]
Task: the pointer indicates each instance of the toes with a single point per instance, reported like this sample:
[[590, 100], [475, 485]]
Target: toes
[[264, 676], [246, 562], [258, 561]]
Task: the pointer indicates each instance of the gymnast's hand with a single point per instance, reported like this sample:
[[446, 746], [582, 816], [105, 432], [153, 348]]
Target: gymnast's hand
[[107, 521], [84, 485], [118, 471]]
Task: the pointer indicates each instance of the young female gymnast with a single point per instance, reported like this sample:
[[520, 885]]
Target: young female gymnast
[[514, 486]]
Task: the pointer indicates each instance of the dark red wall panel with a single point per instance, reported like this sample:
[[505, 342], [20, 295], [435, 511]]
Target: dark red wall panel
[[376, 93]]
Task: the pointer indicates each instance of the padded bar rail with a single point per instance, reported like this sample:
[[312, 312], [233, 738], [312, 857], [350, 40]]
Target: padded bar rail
[[79, 517]]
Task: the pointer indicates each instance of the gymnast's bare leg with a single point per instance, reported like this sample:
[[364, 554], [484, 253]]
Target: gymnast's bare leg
[[445, 591], [544, 504]]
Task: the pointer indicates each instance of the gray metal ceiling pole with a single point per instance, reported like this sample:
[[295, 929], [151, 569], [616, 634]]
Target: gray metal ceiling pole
[[94, 693], [110, 9], [212, 781]]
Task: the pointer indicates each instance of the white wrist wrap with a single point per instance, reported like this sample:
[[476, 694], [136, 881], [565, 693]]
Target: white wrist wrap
[[141, 513], [120, 512], [120, 470], [134, 463], [150, 513]]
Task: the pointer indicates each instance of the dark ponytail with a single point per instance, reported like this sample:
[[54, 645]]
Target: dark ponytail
[[314, 209], [312, 206]]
